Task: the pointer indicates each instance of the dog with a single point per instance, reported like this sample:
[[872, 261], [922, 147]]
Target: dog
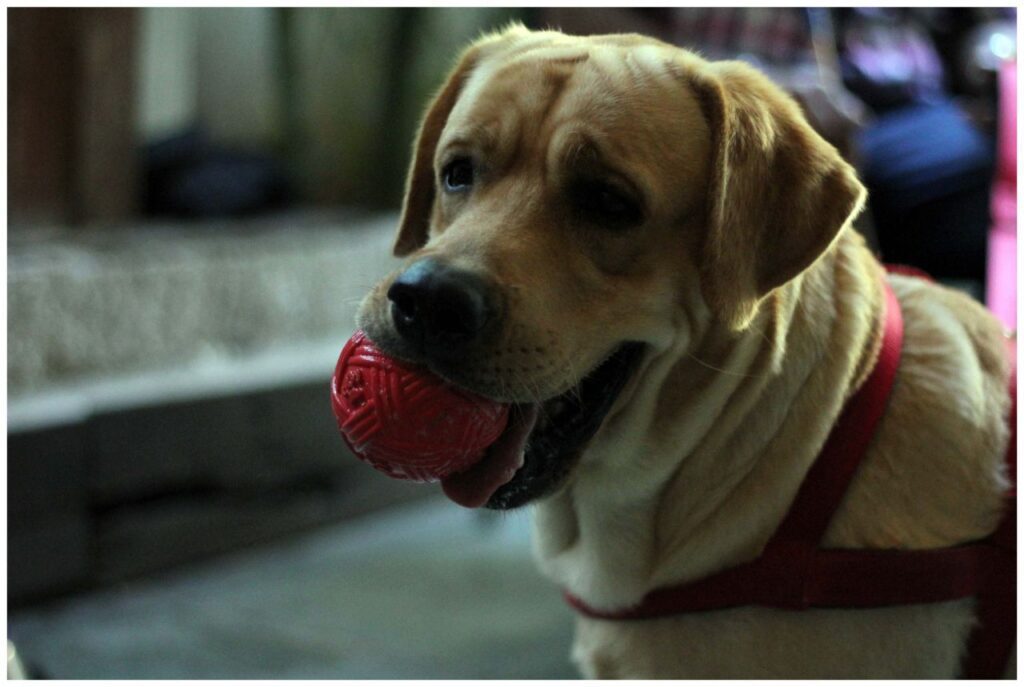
[[651, 256]]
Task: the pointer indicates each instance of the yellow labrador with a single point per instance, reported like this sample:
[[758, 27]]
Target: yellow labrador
[[651, 256]]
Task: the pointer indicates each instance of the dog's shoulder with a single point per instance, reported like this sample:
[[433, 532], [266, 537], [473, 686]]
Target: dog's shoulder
[[936, 473]]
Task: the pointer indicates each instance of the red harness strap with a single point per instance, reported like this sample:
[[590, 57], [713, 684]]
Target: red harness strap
[[794, 573]]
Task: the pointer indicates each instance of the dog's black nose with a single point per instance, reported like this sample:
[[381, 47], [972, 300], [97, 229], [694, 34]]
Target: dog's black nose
[[441, 310]]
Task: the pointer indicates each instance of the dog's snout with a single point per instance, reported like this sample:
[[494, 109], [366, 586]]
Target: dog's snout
[[442, 310]]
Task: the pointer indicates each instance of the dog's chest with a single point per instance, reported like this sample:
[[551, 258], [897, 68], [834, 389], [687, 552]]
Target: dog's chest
[[903, 642]]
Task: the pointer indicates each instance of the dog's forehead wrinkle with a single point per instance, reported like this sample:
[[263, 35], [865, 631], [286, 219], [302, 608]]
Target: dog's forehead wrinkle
[[504, 92], [470, 136], [564, 95]]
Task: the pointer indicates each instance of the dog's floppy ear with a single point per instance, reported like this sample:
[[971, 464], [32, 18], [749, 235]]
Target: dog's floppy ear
[[419, 185], [414, 226], [778, 193]]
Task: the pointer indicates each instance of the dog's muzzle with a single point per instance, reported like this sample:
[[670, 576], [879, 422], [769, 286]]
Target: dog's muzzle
[[441, 315]]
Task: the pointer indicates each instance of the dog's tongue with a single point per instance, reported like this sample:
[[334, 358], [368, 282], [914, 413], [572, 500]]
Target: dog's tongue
[[474, 487]]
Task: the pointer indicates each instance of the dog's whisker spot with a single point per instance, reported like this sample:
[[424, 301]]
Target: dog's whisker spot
[[722, 370]]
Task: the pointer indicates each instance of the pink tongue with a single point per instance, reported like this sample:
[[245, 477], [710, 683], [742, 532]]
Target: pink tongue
[[473, 487]]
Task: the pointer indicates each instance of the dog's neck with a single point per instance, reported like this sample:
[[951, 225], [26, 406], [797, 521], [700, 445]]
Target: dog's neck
[[695, 468]]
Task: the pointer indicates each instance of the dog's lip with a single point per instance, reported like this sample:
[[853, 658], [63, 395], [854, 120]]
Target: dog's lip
[[472, 488], [551, 447]]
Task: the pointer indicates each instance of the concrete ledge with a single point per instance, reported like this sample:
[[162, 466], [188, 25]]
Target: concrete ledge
[[206, 377], [128, 489], [94, 304]]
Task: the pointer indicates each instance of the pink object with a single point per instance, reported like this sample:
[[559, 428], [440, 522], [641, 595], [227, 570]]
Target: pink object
[[1001, 296], [405, 421]]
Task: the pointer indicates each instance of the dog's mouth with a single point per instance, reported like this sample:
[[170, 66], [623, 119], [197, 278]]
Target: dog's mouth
[[542, 441]]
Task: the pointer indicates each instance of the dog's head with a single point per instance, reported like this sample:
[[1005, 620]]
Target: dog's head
[[573, 201]]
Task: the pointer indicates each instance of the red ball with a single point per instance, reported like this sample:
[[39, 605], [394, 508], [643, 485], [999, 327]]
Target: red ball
[[406, 421]]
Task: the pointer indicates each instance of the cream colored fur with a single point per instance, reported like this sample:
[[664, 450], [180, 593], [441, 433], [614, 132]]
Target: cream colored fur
[[761, 310], [710, 480]]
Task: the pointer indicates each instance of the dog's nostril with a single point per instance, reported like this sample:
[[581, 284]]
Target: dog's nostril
[[403, 304]]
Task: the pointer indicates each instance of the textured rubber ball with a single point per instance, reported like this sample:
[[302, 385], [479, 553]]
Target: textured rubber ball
[[405, 421]]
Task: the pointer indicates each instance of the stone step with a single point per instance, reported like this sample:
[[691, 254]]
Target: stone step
[[168, 393]]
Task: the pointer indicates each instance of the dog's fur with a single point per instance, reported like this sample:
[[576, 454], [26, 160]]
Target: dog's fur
[[760, 307]]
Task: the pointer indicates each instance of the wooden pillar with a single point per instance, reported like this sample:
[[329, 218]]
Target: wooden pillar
[[72, 146]]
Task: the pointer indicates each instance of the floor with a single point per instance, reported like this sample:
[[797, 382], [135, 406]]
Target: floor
[[426, 590]]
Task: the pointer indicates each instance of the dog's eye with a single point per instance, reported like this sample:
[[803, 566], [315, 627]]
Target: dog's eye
[[606, 204], [457, 175]]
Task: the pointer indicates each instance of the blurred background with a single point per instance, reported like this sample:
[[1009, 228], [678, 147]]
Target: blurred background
[[197, 200]]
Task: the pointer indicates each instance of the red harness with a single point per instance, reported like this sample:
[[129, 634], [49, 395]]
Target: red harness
[[793, 573]]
